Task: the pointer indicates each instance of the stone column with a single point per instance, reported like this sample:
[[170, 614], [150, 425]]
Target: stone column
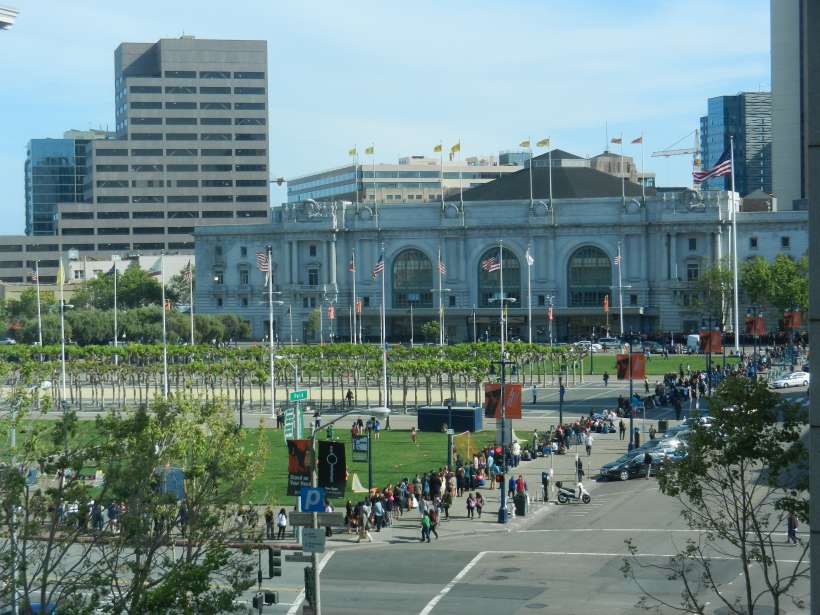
[[673, 256]]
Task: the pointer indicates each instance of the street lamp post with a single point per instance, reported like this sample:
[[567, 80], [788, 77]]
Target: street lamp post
[[502, 510], [629, 405], [475, 327], [440, 292]]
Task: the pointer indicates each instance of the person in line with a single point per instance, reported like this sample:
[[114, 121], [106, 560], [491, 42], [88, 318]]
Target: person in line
[[328, 509], [364, 522], [470, 506], [791, 523], [281, 524], [479, 503], [588, 443], [425, 527], [378, 514], [268, 523]]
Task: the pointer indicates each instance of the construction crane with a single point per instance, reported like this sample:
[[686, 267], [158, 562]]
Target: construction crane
[[685, 151]]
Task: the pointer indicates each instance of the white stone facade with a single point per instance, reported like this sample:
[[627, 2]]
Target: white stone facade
[[662, 244]]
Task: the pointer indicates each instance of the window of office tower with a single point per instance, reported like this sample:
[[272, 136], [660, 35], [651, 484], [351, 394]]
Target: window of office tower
[[589, 277], [412, 279]]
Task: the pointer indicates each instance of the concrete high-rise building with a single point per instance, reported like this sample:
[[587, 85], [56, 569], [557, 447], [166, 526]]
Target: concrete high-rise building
[[191, 146], [55, 172], [190, 149], [788, 102], [748, 118]]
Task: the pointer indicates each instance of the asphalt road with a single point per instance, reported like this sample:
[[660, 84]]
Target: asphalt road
[[567, 561]]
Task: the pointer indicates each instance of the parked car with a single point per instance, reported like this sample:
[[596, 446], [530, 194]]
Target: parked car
[[610, 343], [591, 346], [795, 379], [631, 466], [7, 341], [653, 347]]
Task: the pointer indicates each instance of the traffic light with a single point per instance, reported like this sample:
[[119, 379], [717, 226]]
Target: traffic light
[[274, 563]]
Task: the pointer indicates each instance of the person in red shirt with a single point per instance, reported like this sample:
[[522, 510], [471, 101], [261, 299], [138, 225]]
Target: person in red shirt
[[520, 485]]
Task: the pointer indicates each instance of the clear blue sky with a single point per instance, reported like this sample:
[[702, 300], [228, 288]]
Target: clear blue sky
[[402, 75]]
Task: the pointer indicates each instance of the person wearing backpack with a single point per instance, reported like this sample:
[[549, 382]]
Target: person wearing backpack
[[425, 527]]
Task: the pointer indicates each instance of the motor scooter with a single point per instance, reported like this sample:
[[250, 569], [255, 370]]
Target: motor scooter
[[566, 494]]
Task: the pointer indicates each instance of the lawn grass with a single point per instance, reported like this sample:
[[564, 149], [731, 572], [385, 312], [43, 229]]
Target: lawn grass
[[657, 365], [394, 457]]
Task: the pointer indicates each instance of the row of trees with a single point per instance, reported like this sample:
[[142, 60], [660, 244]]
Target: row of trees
[[782, 284], [159, 554], [99, 375]]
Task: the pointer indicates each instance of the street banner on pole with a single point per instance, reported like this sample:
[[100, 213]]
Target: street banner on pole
[[710, 341], [622, 366], [360, 444], [300, 460], [512, 401], [332, 468]]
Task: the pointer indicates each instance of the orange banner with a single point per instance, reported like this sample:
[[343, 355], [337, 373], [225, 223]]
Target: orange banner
[[512, 401], [638, 365], [711, 341]]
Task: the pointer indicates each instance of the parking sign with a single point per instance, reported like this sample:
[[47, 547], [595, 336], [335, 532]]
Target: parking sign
[[312, 499]]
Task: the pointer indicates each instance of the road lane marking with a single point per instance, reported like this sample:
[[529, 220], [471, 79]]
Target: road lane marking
[[300, 598], [446, 589], [638, 529], [582, 554]]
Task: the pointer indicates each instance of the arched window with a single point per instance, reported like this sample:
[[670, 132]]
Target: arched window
[[589, 277], [489, 281], [412, 279]]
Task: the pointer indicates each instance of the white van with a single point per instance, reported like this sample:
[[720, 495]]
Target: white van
[[693, 343]]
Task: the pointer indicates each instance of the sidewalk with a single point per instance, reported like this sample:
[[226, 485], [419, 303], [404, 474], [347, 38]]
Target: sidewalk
[[405, 529]]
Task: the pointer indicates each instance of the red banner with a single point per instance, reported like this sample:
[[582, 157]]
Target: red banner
[[756, 326], [549, 313], [791, 320], [711, 341], [331, 313], [512, 401], [606, 303], [359, 306], [638, 366]]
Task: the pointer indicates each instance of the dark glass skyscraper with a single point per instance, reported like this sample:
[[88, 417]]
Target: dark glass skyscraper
[[52, 176], [748, 118]]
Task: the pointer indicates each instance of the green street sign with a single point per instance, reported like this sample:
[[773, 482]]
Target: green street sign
[[298, 395]]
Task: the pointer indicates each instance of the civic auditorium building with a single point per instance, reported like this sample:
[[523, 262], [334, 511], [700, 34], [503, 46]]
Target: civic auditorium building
[[667, 238]]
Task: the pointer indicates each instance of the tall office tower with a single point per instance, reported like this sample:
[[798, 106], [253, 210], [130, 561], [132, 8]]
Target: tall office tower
[[788, 102], [748, 118], [191, 146], [55, 172]]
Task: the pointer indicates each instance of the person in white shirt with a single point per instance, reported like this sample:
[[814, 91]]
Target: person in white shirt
[[588, 443]]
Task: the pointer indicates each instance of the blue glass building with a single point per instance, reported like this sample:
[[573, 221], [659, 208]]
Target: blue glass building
[[748, 118], [55, 172]]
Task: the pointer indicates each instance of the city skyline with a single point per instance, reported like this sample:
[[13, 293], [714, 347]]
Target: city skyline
[[320, 108]]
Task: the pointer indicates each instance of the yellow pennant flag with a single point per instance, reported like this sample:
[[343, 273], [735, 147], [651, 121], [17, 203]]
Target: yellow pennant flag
[[370, 151], [352, 152], [456, 148], [524, 143], [437, 148], [543, 143], [61, 273]]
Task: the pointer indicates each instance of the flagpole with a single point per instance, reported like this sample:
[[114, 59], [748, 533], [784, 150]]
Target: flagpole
[[623, 181], [643, 181], [353, 260], [190, 292], [440, 305], [620, 291], [350, 321], [39, 313], [164, 333], [529, 147], [356, 175], [734, 248], [63, 393], [270, 334], [384, 334], [501, 286], [441, 170], [549, 155], [529, 297], [460, 177], [116, 328], [375, 195]]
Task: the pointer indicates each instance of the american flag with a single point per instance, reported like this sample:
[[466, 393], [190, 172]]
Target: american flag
[[378, 268], [617, 259], [491, 264], [722, 167], [34, 275], [262, 261], [442, 268], [188, 273], [351, 266]]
